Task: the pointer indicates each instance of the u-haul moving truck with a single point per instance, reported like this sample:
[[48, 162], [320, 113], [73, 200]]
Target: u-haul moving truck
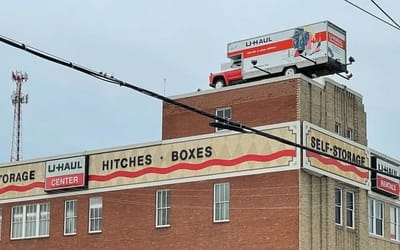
[[315, 50]]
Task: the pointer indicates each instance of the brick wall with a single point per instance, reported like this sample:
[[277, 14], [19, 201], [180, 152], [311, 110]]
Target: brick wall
[[263, 215], [253, 105], [331, 103]]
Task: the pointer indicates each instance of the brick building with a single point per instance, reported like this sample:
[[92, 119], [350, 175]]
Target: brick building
[[204, 188]]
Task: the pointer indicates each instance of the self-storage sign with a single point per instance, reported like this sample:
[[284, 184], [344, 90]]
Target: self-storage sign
[[66, 173], [347, 160], [380, 181]]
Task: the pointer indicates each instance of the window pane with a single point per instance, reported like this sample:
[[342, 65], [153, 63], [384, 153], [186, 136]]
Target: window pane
[[16, 224], [349, 219], [338, 206], [350, 209], [30, 221], [44, 219], [221, 202], [70, 217], [375, 213], [349, 199], [393, 222], [162, 207], [95, 214]]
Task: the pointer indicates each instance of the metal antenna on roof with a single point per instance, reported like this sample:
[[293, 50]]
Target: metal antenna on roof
[[17, 98]]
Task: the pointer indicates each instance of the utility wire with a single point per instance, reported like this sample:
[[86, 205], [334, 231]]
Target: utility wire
[[386, 14], [228, 123], [373, 15]]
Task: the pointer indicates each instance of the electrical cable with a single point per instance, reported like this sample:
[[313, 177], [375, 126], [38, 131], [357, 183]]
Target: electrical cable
[[386, 14], [375, 16], [228, 123]]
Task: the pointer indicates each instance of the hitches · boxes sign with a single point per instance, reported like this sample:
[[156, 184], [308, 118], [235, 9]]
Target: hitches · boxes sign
[[66, 173]]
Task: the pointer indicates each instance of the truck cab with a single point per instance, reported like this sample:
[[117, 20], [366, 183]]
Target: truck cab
[[231, 73]]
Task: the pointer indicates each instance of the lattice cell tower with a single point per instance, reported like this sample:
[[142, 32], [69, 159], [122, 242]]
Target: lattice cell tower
[[18, 98]]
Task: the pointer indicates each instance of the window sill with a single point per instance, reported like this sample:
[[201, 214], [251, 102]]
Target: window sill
[[163, 226], [30, 238], [221, 221], [95, 232]]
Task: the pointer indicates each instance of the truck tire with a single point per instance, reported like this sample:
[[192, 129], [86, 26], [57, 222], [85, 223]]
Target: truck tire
[[290, 71], [219, 83]]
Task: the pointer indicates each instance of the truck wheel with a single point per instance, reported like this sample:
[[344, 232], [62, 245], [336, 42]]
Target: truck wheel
[[219, 83], [290, 71]]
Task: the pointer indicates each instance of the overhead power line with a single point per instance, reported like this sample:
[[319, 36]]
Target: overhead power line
[[395, 25], [386, 14], [224, 122]]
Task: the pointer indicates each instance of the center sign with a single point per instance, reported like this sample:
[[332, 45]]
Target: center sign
[[66, 173]]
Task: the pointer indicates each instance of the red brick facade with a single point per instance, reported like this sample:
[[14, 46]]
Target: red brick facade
[[264, 214], [257, 105]]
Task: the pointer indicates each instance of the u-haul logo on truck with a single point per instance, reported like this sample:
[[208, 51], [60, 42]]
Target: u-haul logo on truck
[[259, 41]]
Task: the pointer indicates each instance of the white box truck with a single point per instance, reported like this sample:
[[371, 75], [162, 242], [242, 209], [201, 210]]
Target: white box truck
[[314, 50]]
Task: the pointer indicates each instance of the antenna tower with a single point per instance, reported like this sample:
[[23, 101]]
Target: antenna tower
[[17, 99]]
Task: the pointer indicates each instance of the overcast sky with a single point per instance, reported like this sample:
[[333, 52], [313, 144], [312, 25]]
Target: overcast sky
[[145, 42]]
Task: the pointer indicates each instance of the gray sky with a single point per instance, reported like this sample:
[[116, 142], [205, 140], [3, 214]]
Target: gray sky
[[143, 42]]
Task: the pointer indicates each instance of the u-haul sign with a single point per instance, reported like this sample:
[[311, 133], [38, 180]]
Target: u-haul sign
[[380, 181], [66, 173]]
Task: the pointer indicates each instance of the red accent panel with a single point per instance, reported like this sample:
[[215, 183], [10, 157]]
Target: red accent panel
[[190, 166], [65, 181], [268, 48], [25, 188], [336, 40], [338, 164], [387, 185]]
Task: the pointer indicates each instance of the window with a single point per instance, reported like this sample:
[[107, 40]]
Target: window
[[30, 221], [163, 208], [349, 133], [224, 113], [349, 209], [95, 214], [338, 128], [394, 223], [338, 206], [221, 202], [70, 215], [375, 217]]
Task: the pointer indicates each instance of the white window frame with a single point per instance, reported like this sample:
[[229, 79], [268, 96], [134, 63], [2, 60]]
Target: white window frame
[[338, 206], [375, 218], [221, 205], [223, 113], [350, 208], [70, 217], [95, 214], [395, 223], [163, 208], [32, 221]]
